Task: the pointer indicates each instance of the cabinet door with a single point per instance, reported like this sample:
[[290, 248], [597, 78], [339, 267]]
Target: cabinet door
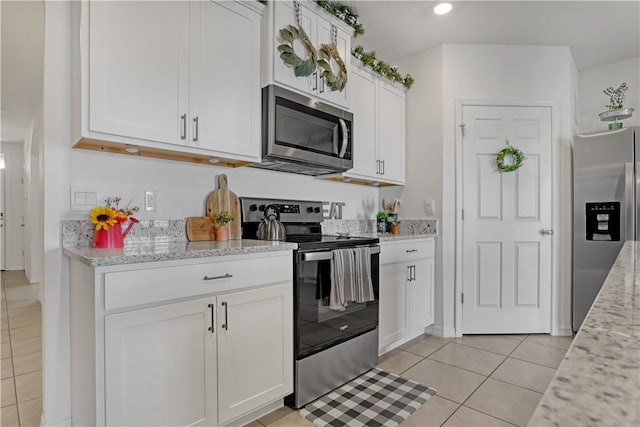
[[363, 106], [282, 73], [160, 366], [139, 68], [343, 42], [394, 318], [421, 296], [391, 132], [225, 103], [255, 349]]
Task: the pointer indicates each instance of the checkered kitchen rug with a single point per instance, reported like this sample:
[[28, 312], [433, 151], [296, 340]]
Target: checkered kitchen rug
[[375, 398]]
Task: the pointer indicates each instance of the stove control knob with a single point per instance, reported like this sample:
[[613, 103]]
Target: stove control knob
[[261, 208], [316, 210], [309, 209], [253, 208]]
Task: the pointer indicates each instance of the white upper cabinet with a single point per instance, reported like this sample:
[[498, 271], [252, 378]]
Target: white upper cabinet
[[225, 108], [378, 108], [321, 28], [363, 106], [184, 73], [139, 69]]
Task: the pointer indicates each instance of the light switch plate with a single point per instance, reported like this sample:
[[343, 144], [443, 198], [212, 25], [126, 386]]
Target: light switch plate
[[429, 208], [83, 198], [151, 201]]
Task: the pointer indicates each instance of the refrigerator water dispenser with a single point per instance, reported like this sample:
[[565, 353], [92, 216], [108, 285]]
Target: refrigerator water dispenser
[[603, 221]]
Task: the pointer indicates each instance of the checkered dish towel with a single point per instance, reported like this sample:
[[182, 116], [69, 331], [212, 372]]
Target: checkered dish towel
[[350, 277]]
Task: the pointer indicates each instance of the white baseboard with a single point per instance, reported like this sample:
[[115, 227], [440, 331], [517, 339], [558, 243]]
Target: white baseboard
[[439, 331], [565, 331], [63, 423]]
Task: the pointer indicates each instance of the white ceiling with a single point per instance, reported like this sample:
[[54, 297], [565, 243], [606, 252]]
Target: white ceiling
[[598, 32], [22, 35]]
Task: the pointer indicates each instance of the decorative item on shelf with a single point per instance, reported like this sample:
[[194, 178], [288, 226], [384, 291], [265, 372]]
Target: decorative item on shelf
[[381, 224], [382, 68], [222, 219], [224, 200], [509, 159], [617, 111], [107, 220], [345, 13], [394, 224], [301, 67]]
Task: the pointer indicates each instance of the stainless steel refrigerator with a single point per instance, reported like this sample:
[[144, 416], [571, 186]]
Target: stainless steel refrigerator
[[606, 182]]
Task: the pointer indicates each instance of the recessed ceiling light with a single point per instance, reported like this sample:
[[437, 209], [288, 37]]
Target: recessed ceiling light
[[133, 149], [213, 160], [442, 8]]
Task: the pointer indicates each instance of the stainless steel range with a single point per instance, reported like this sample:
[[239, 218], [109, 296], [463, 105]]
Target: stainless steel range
[[331, 346]]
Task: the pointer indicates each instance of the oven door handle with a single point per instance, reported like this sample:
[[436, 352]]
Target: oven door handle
[[327, 255]]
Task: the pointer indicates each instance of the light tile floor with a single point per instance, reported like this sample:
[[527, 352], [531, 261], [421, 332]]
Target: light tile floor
[[21, 348], [482, 380]]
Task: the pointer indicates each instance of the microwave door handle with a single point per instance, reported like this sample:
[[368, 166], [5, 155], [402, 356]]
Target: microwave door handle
[[345, 138]]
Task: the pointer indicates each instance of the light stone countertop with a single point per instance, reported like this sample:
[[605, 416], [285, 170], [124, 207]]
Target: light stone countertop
[[598, 382], [168, 251]]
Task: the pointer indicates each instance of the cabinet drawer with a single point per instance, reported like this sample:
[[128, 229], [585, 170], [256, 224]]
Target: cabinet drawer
[[405, 251], [131, 288]]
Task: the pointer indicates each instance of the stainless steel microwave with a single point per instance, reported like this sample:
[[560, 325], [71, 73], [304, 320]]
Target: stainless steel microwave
[[303, 135]]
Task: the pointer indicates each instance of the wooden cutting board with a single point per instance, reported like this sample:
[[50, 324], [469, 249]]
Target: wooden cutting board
[[201, 228], [224, 200]]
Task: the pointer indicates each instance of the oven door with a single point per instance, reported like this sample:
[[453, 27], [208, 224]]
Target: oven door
[[318, 327], [305, 130]]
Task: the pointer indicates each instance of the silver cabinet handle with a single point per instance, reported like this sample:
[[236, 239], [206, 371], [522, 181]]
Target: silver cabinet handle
[[377, 166], [195, 134], [225, 325], [212, 318], [411, 250], [382, 167], [546, 232], [225, 276], [414, 272], [183, 134], [345, 138], [321, 85], [315, 79]]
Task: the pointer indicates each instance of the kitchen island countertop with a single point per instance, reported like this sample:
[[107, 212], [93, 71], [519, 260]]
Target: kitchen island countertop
[[168, 251], [598, 382]]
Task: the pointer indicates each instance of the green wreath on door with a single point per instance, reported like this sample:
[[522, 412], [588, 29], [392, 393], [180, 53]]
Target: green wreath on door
[[516, 156]]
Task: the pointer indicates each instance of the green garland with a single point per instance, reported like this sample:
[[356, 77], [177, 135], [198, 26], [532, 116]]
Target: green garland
[[512, 152], [333, 80], [301, 67], [343, 12], [385, 70]]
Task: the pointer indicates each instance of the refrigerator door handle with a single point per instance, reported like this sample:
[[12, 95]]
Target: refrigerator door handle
[[629, 201]]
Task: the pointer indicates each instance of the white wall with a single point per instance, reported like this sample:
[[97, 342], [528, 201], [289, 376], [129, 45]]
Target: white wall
[[424, 149], [591, 100], [183, 187], [33, 198]]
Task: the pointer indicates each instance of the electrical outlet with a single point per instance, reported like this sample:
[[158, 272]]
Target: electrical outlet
[[151, 201], [429, 207]]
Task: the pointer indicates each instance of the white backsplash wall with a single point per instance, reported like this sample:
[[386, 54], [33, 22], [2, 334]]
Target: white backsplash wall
[[183, 187]]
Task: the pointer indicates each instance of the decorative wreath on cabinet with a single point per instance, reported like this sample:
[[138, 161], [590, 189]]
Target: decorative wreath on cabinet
[[515, 156], [333, 80], [301, 67]]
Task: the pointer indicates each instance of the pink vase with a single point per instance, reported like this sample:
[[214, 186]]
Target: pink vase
[[110, 238], [222, 233]]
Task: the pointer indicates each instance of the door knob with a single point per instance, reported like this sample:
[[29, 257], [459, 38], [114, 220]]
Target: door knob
[[546, 232]]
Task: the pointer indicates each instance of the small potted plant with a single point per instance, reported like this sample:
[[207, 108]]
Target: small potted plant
[[394, 225], [382, 217], [222, 219]]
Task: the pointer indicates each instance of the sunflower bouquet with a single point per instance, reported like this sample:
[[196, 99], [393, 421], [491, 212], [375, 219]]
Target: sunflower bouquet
[[106, 216]]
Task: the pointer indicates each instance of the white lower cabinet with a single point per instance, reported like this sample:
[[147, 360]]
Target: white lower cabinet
[[161, 366], [255, 349], [201, 342], [406, 291]]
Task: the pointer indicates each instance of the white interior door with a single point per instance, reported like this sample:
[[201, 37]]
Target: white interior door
[[2, 221], [506, 265]]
